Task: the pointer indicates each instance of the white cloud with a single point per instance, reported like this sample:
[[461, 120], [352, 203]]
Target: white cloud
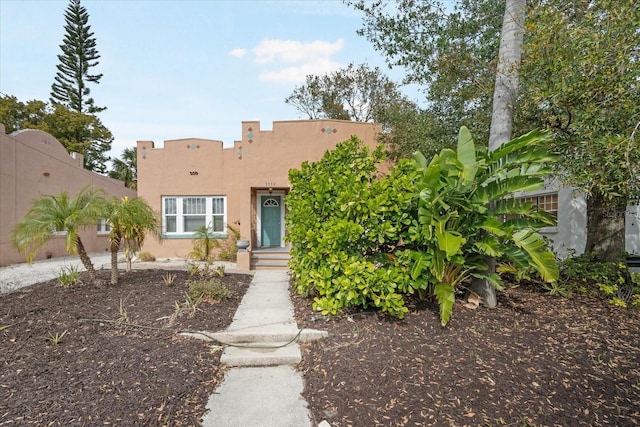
[[291, 51], [238, 52], [299, 73]]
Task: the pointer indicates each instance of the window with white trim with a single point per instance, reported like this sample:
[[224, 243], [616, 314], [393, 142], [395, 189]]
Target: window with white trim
[[185, 214], [544, 202], [103, 226]]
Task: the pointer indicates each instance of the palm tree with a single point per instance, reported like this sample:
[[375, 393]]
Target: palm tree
[[51, 215], [125, 168], [130, 221]]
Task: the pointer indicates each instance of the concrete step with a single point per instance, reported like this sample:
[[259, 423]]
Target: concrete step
[[276, 260], [258, 337], [262, 354]]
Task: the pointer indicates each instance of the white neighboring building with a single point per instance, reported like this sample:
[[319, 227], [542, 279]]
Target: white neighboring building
[[570, 207]]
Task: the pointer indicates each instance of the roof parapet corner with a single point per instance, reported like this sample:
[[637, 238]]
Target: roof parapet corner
[[150, 144], [79, 159]]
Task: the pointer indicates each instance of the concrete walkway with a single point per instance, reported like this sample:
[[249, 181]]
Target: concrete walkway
[[262, 387]]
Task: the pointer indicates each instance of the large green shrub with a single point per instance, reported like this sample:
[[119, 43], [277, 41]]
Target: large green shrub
[[361, 238], [342, 222]]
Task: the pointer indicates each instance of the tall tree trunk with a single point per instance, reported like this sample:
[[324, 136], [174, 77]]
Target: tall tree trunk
[[86, 261], [605, 227], [509, 58], [504, 101]]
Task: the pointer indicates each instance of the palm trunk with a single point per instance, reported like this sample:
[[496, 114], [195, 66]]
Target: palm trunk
[[88, 265], [114, 264]]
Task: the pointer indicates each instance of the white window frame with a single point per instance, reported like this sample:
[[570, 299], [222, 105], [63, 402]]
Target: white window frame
[[180, 216], [539, 200], [103, 227]]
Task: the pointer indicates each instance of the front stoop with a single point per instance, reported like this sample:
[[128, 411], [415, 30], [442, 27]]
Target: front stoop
[[270, 259]]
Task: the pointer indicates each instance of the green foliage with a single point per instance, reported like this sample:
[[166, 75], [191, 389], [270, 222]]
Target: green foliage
[[578, 78], [226, 248], [131, 220], [69, 276], [205, 241], [125, 168], [193, 269], [52, 215], [581, 80], [169, 279], [352, 93], [360, 239], [56, 338], [146, 257], [558, 289], [210, 290], [79, 56], [609, 280], [220, 270], [77, 132], [450, 54], [202, 244], [460, 197], [343, 225]]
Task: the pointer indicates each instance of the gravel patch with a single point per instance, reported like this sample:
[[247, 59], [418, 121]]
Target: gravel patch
[[17, 276]]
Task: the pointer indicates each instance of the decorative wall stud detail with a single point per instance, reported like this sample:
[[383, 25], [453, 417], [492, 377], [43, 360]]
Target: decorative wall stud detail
[[193, 173], [250, 135], [329, 130], [240, 152], [144, 152], [193, 146]]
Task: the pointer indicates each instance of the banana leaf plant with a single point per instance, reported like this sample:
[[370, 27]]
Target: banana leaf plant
[[467, 210]]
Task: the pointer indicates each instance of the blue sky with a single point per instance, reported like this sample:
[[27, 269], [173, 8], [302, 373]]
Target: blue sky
[[192, 68]]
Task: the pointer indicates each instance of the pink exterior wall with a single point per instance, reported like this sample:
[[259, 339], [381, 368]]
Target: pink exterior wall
[[33, 164], [259, 162]]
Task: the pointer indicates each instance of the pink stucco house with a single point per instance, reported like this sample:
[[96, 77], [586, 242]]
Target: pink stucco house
[[194, 182], [32, 164]]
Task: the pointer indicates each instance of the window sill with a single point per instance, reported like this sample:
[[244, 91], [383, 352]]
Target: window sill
[[191, 236], [548, 230]]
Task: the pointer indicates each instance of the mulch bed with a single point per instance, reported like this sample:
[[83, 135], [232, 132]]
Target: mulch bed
[[535, 360], [104, 371]]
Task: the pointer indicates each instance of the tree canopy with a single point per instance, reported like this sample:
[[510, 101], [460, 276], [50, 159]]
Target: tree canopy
[[79, 56], [356, 93], [125, 168], [452, 55], [77, 132], [579, 78]]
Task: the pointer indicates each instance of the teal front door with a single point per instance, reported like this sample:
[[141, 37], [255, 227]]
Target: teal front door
[[270, 214]]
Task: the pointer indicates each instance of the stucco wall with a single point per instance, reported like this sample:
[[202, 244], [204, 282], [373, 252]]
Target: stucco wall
[[32, 164], [260, 161], [570, 235]]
